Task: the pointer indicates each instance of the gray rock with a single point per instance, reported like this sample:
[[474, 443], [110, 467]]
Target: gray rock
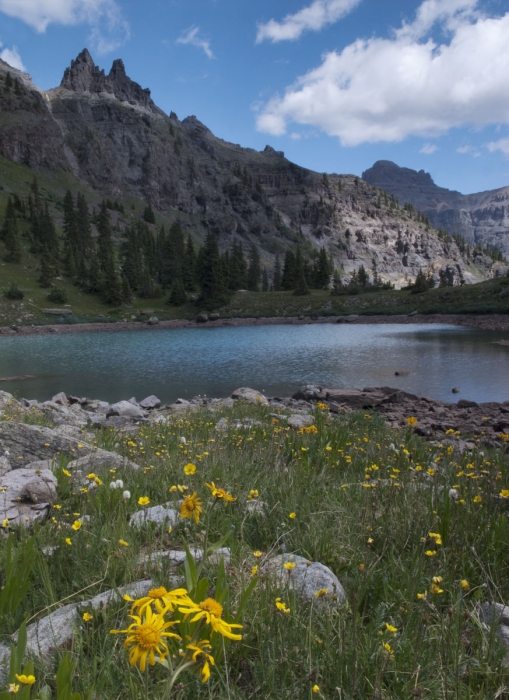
[[125, 409], [133, 401], [28, 443], [96, 406], [256, 507], [60, 398], [4, 466], [176, 557], [309, 392], [27, 495], [150, 402], [101, 458], [250, 395], [455, 390], [497, 614], [202, 318], [153, 321], [297, 420], [306, 579], [160, 515]]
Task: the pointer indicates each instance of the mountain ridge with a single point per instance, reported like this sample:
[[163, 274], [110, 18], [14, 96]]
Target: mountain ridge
[[107, 131], [478, 217]]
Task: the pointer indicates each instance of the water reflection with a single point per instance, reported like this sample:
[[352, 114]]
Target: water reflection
[[277, 359]]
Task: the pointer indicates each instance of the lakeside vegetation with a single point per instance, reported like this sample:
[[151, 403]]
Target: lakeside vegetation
[[371, 503]]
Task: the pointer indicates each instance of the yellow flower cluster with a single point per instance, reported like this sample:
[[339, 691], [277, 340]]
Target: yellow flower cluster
[[150, 639]]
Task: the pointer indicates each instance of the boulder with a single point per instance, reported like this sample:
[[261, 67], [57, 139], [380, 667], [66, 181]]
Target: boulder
[[306, 578], [202, 318], [27, 495], [176, 557], [28, 443], [60, 398], [297, 420], [102, 458], [4, 466], [160, 515], [150, 402], [250, 395], [124, 409], [497, 614], [153, 321], [309, 392]]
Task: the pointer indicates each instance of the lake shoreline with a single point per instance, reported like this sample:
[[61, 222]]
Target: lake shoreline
[[493, 322]]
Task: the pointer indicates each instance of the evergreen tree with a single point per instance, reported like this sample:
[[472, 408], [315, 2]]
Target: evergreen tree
[[301, 286], [178, 294], [289, 278], [174, 249], [189, 266], [127, 294], [70, 234], [238, 268], [47, 273], [362, 277], [254, 272], [149, 215], [10, 236], [322, 271], [276, 280], [110, 288], [265, 281], [213, 290]]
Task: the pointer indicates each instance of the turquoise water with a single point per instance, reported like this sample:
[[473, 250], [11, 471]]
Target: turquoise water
[[275, 359]]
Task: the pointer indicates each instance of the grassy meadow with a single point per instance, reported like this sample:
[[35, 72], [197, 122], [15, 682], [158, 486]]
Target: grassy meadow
[[371, 503]]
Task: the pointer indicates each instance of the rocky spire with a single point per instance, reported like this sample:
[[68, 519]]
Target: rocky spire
[[84, 76]]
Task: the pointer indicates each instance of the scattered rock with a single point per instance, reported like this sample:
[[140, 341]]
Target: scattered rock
[[4, 466], [202, 318], [150, 402], [124, 409], [497, 614], [296, 420], [60, 398], [213, 317], [27, 495], [255, 507], [250, 395], [455, 390], [160, 515], [153, 321], [402, 373], [176, 557], [306, 578]]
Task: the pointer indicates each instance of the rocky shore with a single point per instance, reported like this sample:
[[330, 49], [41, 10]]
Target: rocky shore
[[492, 322]]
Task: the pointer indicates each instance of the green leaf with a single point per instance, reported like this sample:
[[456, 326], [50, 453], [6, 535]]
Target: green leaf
[[244, 599], [190, 570], [201, 590], [220, 543]]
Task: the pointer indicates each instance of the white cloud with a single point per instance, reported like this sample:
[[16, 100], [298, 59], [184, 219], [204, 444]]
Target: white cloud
[[109, 28], [388, 89], [313, 17], [12, 57], [190, 36], [502, 145], [428, 149], [468, 150]]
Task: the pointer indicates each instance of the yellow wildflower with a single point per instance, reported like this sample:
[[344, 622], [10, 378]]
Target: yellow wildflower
[[25, 680], [146, 637], [191, 507], [189, 469], [201, 655], [254, 571], [465, 584], [504, 493], [143, 501], [412, 420], [390, 628], [253, 494], [68, 541], [13, 688], [123, 543], [315, 689], [321, 592], [220, 493], [76, 525], [87, 617], [292, 516], [282, 606], [430, 553], [477, 499], [211, 611]]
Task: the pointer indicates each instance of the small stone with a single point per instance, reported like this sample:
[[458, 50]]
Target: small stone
[[150, 402], [250, 395], [124, 409], [310, 580], [298, 420], [61, 399], [156, 514]]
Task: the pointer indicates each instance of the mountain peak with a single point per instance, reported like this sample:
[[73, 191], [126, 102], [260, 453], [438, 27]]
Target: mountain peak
[[84, 76]]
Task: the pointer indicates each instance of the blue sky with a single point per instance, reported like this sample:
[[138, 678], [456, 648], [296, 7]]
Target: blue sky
[[335, 84]]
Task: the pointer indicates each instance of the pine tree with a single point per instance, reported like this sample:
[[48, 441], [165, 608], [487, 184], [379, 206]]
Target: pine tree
[[289, 278], [213, 290], [178, 294], [301, 285], [189, 266], [238, 268], [174, 250], [254, 272], [276, 280], [149, 215], [322, 271], [109, 282], [127, 294], [70, 234], [265, 281], [10, 236], [47, 274]]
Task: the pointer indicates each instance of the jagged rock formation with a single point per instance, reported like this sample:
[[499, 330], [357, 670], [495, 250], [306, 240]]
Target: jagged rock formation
[[106, 130], [482, 217]]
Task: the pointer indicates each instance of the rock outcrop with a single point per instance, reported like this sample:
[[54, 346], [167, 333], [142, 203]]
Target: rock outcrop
[[482, 217]]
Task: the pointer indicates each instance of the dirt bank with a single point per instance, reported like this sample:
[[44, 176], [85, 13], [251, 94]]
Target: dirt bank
[[495, 322]]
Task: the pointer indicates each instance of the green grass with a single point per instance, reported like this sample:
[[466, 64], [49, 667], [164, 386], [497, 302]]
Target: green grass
[[373, 539]]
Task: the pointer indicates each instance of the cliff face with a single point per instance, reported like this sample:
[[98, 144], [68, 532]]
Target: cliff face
[[481, 217], [108, 132]]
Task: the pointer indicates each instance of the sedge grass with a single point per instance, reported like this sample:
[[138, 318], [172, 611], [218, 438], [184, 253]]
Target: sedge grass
[[365, 497]]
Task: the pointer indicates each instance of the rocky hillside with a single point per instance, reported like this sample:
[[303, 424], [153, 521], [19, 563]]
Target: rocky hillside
[[480, 218], [106, 133]]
